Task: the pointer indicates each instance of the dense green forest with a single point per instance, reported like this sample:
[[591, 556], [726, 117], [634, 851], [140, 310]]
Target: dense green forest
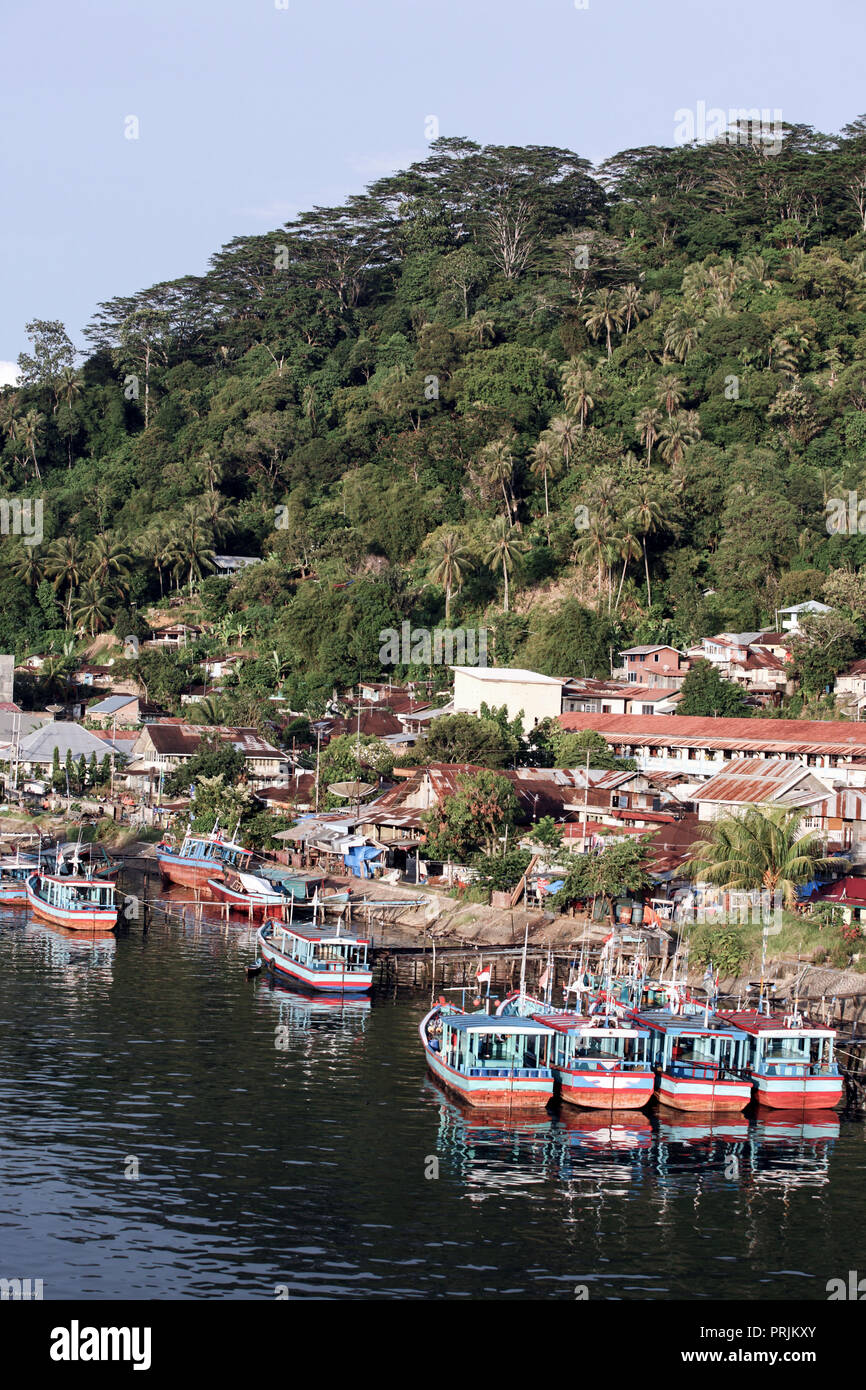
[[578, 407]]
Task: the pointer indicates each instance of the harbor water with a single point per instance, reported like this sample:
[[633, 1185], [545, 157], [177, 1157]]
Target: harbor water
[[171, 1129]]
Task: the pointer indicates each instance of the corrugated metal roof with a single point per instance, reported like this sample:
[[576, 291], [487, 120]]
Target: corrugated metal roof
[[800, 736]]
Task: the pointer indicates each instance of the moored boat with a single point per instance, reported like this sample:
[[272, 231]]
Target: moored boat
[[699, 1058], [316, 957], [599, 1061], [200, 858], [245, 892], [68, 900], [14, 871], [790, 1062], [489, 1060]]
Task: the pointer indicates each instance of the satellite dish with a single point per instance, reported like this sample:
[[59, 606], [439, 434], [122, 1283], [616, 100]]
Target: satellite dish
[[351, 791]]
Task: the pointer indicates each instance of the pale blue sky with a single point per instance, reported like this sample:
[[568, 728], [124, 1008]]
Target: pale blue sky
[[249, 113]]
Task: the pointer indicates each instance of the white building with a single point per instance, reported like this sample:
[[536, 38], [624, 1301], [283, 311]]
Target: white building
[[526, 693]]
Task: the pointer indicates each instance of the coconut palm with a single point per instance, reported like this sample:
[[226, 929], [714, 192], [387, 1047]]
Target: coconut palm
[[65, 564], [647, 423], [25, 565], [565, 430], [497, 464], [682, 336], [452, 561], [28, 432], [483, 328], [629, 548], [678, 434], [578, 382], [191, 546], [504, 551], [650, 513], [631, 301], [545, 464], [669, 393], [91, 608], [598, 545], [109, 563], [761, 848], [604, 314]]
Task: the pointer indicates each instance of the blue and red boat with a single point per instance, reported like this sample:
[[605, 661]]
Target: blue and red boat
[[789, 1062], [199, 858], [489, 1060], [71, 900], [315, 957], [699, 1057]]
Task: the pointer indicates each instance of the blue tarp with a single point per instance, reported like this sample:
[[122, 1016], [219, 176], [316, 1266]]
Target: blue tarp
[[357, 858]]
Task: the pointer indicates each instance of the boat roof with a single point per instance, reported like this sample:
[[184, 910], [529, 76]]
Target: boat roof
[[594, 1026], [696, 1024], [771, 1025], [78, 881], [492, 1023], [11, 861], [312, 932]]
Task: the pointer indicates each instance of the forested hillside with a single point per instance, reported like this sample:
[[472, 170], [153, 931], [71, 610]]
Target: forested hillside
[[579, 407]]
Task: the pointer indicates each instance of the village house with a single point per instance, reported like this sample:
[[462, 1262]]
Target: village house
[[698, 748], [163, 747], [850, 688], [791, 616], [654, 665], [617, 697], [119, 710]]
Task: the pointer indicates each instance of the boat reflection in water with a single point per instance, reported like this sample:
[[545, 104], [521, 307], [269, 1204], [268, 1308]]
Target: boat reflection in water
[[315, 1030], [492, 1151], [75, 956]]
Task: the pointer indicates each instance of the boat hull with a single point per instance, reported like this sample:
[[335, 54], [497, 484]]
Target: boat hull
[[336, 981], [507, 1092], [76, 919], [191, 873], [244, 903], [697, 1093], [13, 893], [595, 1090], [798, 1092]]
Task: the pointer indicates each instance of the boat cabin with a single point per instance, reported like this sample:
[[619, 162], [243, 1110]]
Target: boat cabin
[[597, 1043], [780, 1048], [484, 1045], [318, 949], [70, 892], [694, 1046]]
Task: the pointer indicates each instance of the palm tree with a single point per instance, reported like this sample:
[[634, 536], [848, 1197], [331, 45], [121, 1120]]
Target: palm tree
[[563, 427], [647, 422], [91, 608], [483, 328], [497, 462], [25, 566], [109, 563], [670, 394], [760, 849], [504, 550], [192, 546], [544, 465], [598, 545], [629, 549], [631, 301], [30, 430], [650, 513], [678, 434], [682, 336], [577, 383], [65, 564], [605, 313], [451, 563]]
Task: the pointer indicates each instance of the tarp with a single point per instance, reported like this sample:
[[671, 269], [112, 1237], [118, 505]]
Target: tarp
[[358, 859]]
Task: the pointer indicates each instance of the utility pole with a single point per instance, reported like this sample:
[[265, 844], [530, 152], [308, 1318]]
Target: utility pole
[[318, 754]]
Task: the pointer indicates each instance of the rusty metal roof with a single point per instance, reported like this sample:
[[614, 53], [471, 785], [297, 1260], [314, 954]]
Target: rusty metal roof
[[798, 736]]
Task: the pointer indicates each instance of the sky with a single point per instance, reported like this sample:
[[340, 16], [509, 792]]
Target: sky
[[246, 112]]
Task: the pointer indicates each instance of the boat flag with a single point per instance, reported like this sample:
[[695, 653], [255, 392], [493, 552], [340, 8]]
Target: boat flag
[[483, 974], [545, 978]]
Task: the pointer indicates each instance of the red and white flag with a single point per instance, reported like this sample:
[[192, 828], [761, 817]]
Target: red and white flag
[[483, 974], [545, 978]]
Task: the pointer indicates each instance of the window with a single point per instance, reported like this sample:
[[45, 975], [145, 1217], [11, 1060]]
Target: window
[[656, 657]]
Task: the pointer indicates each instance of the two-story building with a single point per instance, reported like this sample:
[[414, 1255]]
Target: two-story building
[[655, 665]]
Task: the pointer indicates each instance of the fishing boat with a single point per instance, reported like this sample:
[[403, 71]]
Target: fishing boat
[[15, 869], [698, 1056], [789, 1062], [486, 1059], [199, 858], [70, 900], [599, 1060], [316, 957], [89, 859], [246, 892]]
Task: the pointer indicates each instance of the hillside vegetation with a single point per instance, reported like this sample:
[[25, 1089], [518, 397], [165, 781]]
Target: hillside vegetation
[[579, 407]]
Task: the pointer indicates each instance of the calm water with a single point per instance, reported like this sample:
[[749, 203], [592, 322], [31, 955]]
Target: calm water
[[283, 1142]]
